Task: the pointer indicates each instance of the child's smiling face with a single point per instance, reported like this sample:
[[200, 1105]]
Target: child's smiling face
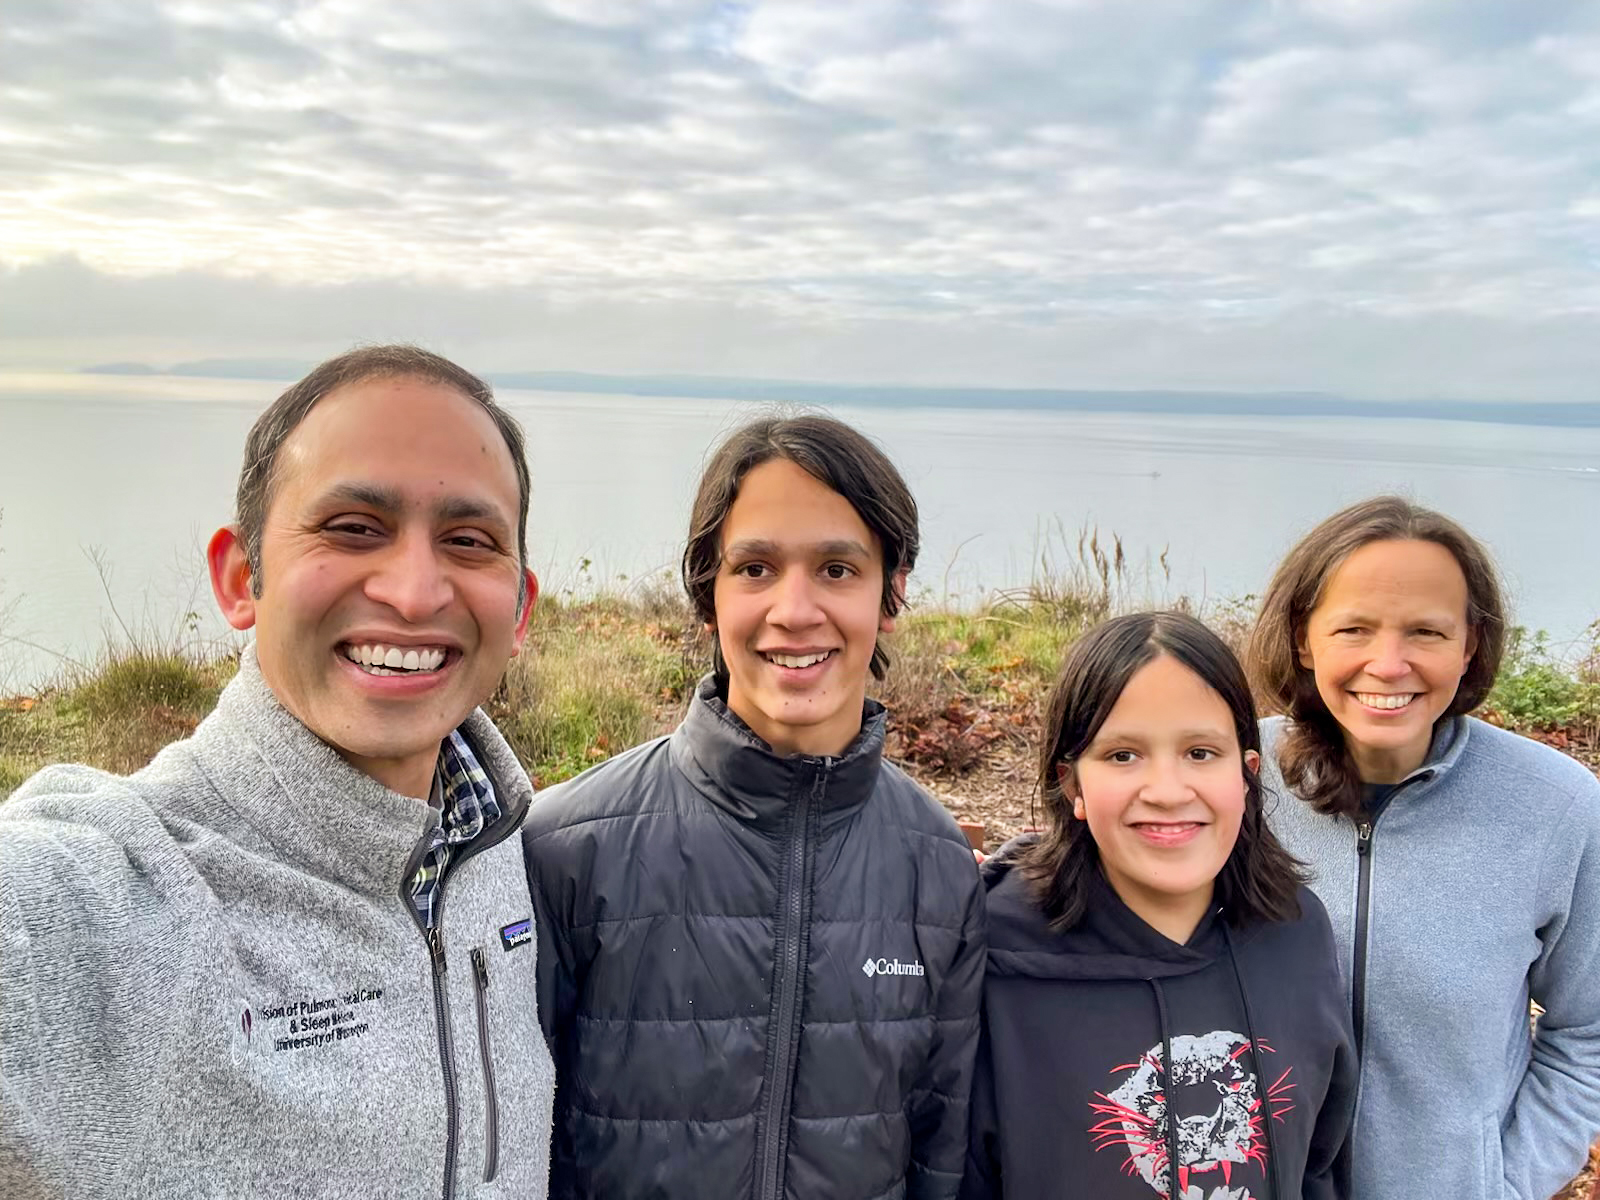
[[1163, 790]]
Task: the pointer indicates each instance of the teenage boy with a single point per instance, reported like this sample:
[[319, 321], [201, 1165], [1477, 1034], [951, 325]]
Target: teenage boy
[[288, 958], [761, 946]]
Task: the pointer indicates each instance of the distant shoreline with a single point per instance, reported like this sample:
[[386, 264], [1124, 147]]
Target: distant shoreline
[[1577, 414]]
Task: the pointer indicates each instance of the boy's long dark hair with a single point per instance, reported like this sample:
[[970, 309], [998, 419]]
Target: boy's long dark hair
[[836, 455], [1259, 880]]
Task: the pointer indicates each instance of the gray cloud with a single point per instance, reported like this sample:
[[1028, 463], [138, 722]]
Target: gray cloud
[[1318, 195]]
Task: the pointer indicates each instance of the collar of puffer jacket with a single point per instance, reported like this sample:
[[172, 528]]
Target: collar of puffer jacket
[[739, 773]]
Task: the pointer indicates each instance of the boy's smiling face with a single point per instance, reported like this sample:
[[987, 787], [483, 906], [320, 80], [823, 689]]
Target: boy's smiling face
[[799, 606]]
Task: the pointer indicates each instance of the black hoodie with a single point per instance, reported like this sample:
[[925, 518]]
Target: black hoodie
[[1069, 1095]]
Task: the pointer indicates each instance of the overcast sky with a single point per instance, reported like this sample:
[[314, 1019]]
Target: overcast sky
[[1375, 197]]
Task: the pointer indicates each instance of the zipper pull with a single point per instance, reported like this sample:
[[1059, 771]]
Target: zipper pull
[[480, 968], [436, 948], [1364, 838]]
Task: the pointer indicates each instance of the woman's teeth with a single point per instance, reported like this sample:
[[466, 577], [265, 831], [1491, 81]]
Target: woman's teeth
[[392, 660], [1383, 700]]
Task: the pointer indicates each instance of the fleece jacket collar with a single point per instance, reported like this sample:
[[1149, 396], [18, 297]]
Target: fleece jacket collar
[[337, 821], [739, 773]]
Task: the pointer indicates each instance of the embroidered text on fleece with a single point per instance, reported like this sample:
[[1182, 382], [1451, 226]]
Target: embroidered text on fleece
[[212, 983], [1482, 888], [760, 975], [1072, 1091]]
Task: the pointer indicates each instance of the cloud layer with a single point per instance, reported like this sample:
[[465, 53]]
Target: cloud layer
[[1384, 196]]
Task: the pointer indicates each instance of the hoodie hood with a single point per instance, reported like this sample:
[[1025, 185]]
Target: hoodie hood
[[1110, 942]]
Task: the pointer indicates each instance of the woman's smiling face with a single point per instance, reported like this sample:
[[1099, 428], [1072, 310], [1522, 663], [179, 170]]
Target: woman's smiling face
[[1388, 643]]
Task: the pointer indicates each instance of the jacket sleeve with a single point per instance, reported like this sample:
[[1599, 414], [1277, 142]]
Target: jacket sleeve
[[1556, 1112], [981, 1181], [557, 987], [1328, 1160], [939, 1108]]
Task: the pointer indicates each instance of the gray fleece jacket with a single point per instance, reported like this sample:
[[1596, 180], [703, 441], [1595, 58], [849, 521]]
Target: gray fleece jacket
[[1482, 890], [211, 985]]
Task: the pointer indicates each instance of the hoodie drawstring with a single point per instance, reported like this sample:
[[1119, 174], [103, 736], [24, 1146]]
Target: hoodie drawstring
[[1255, 1065], [1169, 1089]]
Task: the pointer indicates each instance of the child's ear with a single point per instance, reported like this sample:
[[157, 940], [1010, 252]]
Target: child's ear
[[1069, 787], [1252, 761]]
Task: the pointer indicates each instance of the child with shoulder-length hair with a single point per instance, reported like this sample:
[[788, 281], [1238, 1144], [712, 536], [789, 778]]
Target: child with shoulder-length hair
[[1460, 864], [760, 944], [1161, 1003]]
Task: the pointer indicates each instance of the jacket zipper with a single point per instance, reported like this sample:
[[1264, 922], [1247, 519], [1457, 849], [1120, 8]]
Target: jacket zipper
[[441, 1012], [786, 986], [434, 937], [491, 1105], [1358, 973]]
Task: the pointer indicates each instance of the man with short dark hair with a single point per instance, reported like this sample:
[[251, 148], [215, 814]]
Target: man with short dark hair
[[293, 955], [761, 946]]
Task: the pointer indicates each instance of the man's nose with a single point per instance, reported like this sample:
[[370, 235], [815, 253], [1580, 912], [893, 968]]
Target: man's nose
[[410, 578]]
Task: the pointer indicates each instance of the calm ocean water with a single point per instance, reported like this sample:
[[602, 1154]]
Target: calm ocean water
[[135, 473]]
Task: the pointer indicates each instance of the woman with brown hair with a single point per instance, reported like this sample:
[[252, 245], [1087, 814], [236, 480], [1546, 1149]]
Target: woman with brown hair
[[1459, 863]]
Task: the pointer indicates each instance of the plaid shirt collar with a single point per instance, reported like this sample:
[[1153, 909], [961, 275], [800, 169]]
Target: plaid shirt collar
[[462, 790]]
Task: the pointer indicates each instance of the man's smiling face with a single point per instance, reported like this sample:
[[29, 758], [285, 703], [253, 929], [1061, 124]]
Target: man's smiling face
[[389, 573]]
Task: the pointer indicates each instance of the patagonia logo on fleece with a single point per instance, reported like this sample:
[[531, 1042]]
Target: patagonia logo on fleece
[[518, 933]]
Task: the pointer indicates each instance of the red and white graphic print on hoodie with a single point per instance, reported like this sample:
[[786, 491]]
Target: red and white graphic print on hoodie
[[1071, 1082]]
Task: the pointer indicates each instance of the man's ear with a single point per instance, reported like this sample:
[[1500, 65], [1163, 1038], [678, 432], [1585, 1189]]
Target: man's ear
[[898, 590], [231, 578], [530, 597]]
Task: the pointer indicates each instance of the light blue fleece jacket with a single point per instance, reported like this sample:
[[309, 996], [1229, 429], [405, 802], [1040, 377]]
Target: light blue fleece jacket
[[212, 983], [1484, 893]]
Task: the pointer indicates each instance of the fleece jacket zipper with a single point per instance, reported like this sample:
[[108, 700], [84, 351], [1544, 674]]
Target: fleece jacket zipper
[[447, 1060], [491, 1104], [1358, 974], [789, 956], [504, 828]]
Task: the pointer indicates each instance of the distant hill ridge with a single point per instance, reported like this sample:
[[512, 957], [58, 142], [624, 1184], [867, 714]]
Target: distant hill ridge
[[780, 391]]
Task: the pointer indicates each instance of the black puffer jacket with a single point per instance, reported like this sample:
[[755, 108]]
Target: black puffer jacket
[[759, 976]]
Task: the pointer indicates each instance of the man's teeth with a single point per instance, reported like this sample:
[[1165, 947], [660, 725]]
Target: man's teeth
[[391, 660], [798, 660], [1384, 700]]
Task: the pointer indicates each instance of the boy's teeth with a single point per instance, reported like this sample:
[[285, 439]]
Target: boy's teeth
[[392, 660], [1382, 700], [798, 660]]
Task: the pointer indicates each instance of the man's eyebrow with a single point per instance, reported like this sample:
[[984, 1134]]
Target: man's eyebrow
[[370, 495], [391, 500], [766, 548], [465, 508]]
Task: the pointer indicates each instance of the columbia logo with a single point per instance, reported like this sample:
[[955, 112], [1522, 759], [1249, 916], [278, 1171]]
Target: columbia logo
[[890, 966]]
